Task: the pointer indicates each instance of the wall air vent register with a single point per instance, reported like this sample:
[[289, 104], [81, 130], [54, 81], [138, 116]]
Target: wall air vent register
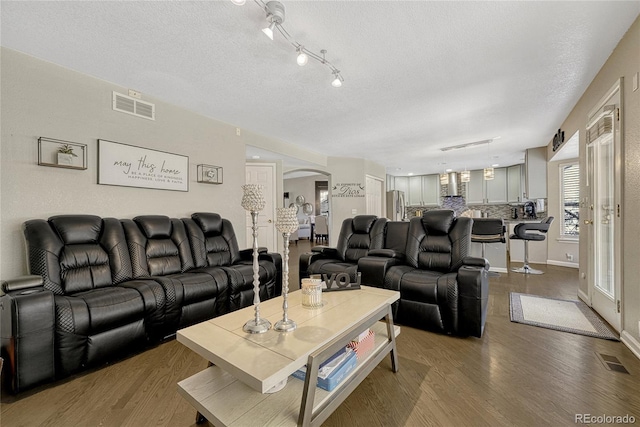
[[129, 105]]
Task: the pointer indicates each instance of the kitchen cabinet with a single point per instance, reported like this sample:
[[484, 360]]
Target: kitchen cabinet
[[536, 173], [402, 184], [481, 192], [414, 198], [515, 184], [430, 190], [421, 190]]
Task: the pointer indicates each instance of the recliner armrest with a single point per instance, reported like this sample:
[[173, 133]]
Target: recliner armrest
[[326, 250], [374, 268], [473, 294], [307, 259], [27, 326], [30, 282], [386, 253], [246, 254], [476, 262]]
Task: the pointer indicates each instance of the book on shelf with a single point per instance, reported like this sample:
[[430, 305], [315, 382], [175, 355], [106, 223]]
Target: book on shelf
[[333, 370]]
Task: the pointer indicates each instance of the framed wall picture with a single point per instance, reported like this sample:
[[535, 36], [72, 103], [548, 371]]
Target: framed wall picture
[[62, 154], [130, 166], [210, 174]]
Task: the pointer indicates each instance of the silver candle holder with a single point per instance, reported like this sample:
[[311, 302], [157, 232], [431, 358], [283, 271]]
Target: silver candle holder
[[253, 201], [286, 223]]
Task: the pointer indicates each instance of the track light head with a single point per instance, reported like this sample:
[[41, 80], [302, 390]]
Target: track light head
[[269, 30], [302, 57], [337, 81], [239, 2]]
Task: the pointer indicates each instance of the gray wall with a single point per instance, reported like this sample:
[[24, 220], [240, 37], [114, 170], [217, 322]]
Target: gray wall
[[43, 99], [623, 62]]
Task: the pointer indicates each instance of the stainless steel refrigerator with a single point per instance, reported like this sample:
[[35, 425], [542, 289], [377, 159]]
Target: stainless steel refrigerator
[[396, 210]]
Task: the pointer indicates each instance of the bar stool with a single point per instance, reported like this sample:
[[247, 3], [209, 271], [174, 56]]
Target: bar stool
[[488, 230], [521, 233]]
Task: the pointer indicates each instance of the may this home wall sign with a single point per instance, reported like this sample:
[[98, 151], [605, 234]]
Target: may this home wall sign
[[348, 190], [131, 166]]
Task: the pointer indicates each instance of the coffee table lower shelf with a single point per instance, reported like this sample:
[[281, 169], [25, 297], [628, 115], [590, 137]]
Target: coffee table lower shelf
[[226, 401]]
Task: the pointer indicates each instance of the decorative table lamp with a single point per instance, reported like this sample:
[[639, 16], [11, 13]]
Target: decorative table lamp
[[286, 223], [253, 201]]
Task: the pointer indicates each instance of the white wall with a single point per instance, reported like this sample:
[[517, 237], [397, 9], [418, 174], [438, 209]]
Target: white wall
[[43, 99]]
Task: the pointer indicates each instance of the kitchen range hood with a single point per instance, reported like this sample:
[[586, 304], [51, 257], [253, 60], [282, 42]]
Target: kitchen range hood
[[452, 187]]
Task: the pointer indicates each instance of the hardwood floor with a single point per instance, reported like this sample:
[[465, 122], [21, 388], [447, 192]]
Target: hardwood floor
[[515, 375]]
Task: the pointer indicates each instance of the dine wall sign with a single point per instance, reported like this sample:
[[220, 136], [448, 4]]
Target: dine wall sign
[[347, 190]]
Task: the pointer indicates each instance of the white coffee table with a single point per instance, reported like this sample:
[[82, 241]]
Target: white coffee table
[[246, 366]]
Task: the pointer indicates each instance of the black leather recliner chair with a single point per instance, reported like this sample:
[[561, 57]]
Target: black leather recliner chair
[[98, 309], [215, 251], [160, 250], [357, 237], [441, 288]]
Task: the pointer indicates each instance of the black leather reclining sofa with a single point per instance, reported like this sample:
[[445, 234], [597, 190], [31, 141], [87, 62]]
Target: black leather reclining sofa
[[426, 259], [102, 287]]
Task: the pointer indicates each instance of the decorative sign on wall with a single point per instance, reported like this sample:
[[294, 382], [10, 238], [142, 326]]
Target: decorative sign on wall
[[558, 139], [131, 166], [347, 190]]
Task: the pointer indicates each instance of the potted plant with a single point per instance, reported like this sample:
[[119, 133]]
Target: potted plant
[[66, 155]]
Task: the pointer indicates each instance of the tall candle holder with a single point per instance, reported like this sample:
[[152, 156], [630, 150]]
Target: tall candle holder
[[253, 201], [286, 223]]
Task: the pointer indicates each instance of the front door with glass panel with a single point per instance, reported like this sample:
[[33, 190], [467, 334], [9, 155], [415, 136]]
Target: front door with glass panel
[[603, 138]]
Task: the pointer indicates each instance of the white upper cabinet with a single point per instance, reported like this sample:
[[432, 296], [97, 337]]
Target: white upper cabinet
[[402, 184], [415, 191], [431, 190], [493, 191], [476, 188], [536, 173], [515, 184], [420, 190]]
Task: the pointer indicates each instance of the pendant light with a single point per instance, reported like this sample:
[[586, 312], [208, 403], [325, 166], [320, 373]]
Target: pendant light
[[489, 173]]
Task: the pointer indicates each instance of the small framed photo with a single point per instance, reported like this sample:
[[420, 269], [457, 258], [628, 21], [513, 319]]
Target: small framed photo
[[210, 174]]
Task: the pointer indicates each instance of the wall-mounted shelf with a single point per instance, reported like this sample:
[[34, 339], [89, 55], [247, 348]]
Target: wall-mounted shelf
[[209, 174], [62, 154]]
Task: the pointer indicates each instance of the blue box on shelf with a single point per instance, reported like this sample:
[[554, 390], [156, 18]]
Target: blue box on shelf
[[333, 370]]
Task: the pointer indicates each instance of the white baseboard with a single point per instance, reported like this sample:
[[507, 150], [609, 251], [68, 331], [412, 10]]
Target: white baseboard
[[633, 344], [499, 269], [563, 263], [584, 297]]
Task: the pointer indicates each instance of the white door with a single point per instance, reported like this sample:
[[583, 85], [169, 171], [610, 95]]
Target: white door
[[603, 139], [373, 196], [263, 174]]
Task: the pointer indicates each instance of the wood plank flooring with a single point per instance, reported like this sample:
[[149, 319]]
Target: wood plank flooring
[[516, 375]]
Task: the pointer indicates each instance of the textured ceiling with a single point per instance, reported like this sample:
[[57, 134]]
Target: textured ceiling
[[419, 75]]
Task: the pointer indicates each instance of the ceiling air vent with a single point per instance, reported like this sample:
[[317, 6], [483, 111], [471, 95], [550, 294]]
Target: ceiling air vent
[[129, 105]]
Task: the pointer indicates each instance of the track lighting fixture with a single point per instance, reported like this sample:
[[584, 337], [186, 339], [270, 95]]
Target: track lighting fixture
[[275, 17]]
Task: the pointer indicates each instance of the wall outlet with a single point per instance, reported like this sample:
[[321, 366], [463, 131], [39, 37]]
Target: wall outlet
[[354, 211], [237, 131]]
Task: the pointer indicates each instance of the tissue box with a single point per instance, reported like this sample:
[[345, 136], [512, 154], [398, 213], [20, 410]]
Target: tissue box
[[337, 375]]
